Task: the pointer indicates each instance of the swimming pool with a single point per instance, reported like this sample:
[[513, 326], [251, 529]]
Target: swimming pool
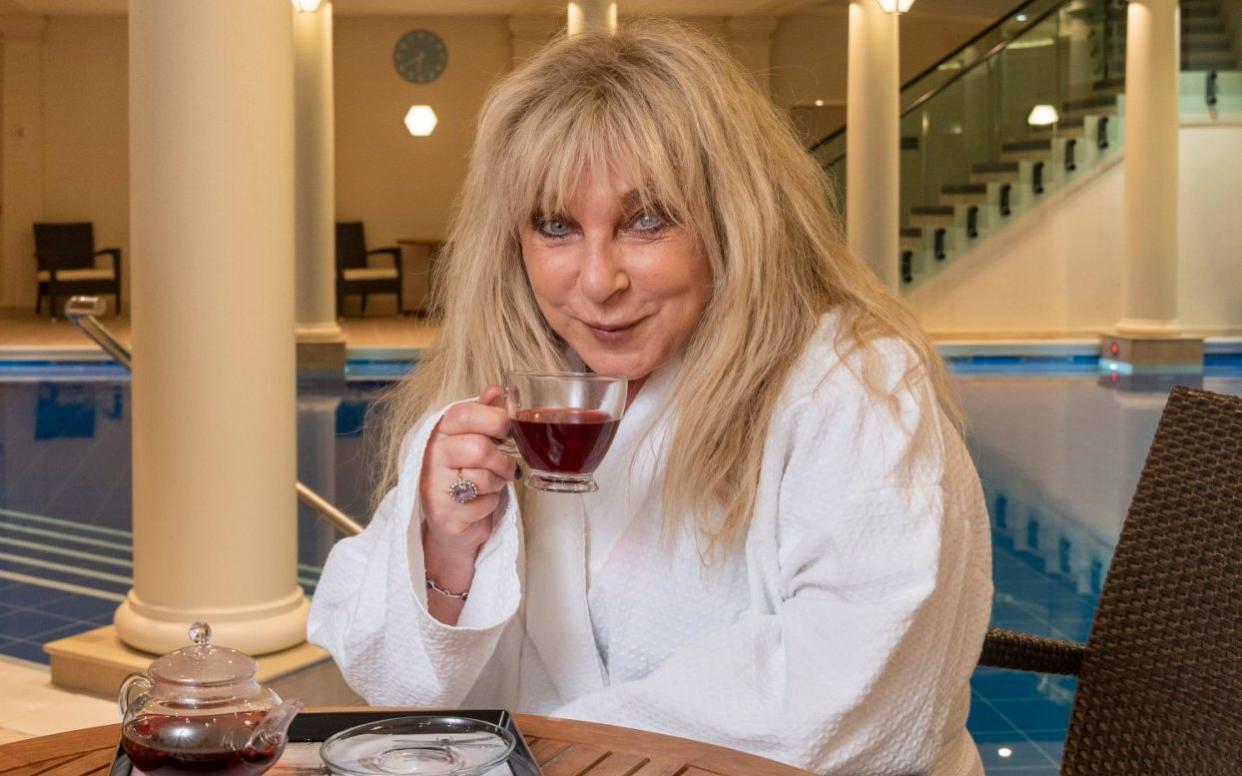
[[1059, 451]]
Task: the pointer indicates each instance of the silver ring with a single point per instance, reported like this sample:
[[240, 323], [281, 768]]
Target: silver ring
[[463, 491]]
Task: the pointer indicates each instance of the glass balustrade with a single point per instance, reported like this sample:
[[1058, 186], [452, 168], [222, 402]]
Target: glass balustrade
[[1030, 105]]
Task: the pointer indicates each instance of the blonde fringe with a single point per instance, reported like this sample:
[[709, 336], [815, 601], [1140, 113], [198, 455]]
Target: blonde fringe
[[670, 108]]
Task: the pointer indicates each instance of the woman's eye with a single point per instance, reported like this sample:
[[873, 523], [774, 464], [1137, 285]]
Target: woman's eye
[[648, 222], [554, 227]]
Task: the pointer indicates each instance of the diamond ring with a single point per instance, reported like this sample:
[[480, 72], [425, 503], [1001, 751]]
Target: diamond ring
[[463, 491]]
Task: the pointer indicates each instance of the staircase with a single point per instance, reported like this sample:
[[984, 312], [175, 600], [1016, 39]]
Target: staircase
[[970, 162]]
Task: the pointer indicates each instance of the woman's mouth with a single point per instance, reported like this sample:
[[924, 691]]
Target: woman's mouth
[[613, 332]]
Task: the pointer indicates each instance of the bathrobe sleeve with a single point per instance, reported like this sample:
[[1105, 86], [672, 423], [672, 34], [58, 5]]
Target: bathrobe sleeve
[[860, 662], [370, 607]]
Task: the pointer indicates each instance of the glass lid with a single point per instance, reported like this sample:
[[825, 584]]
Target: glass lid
[[419, 745], [202, 663]]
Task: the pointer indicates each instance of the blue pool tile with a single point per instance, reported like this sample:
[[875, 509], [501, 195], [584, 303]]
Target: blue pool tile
[[24, 650], [29, 624], [81, 607], [69, 629], [1035, 715], [23, 594], [984, 720]]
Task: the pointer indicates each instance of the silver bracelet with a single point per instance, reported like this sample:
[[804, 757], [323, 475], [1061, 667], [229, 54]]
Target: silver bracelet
[[433, 586]]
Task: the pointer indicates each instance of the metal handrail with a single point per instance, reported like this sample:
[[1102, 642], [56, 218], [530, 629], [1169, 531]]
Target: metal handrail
[[83, 312]]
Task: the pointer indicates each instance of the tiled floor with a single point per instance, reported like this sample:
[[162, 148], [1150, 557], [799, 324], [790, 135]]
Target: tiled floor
[[33, 707], [1059, 456]]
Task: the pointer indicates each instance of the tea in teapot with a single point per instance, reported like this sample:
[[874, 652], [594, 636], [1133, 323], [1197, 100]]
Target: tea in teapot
[[199, 710]]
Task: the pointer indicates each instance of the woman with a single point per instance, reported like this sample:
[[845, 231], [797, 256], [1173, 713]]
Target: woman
[[788, 553]]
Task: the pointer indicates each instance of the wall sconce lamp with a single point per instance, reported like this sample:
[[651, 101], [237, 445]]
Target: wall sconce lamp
[[420, 120], [895, 6], [308, 6], [1043, 116]]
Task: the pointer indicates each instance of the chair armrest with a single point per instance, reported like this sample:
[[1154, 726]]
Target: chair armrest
[[393, 251], [115, 254], [1024, 652]]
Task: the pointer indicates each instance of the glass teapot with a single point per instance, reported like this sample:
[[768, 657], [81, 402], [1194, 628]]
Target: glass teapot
[[199, 710]]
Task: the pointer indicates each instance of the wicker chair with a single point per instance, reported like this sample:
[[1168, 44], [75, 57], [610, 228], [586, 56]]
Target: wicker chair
[[66, 255], [1160, 678], [354, 273]]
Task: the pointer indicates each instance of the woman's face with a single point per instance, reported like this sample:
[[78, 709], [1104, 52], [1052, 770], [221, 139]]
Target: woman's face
[[622, 285]]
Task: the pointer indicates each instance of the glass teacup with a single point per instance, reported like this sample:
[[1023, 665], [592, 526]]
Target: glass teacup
[[562, 424]]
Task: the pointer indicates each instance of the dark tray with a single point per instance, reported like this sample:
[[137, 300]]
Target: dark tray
[[311, 726]]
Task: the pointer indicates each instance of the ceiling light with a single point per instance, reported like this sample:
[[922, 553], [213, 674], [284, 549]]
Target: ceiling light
[[308, 6], [1021, 17], [895, 6], [819, 103], [420, 120], [1042, 116]]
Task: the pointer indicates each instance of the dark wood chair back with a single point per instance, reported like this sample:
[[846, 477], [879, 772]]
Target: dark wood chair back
[[65, 246], [1161, 678], [351, 245]]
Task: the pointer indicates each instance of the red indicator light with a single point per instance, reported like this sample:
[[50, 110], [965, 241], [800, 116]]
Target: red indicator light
[[1114, 348]]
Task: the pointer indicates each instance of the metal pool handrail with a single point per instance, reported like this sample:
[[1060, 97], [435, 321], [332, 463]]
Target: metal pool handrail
[[83, 312]]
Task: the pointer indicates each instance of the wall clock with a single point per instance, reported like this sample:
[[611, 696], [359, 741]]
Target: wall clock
[[420, 56]]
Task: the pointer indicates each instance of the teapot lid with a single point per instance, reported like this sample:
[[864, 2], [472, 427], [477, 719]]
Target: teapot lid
[[202, 663]]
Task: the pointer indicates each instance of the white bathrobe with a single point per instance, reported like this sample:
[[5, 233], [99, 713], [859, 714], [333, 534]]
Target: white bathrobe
[[840, 638]]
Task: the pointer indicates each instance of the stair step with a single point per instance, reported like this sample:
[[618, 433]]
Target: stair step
[[1069, 127], [1089, 103], [1210, 61], [1024, 146], [933, 216], [1193, 26], [931, 210], [999, 172], [964, 188], [1207, 47], [1109, 85], [1197, 40], [911, 231]]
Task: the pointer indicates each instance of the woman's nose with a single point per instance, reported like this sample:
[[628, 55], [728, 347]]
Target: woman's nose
[[603, 273]]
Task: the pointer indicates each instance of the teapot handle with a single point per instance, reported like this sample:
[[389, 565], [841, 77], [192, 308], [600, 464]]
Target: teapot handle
[[124, 696]]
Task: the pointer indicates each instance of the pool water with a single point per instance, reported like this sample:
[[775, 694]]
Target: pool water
[[1059, 451]]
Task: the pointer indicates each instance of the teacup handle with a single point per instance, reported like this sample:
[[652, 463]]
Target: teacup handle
[[125, 696]]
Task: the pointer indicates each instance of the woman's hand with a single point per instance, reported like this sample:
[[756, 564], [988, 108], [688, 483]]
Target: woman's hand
[[463, 441]]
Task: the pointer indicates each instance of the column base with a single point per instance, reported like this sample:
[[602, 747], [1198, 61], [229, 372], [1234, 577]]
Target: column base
[[96, 662], [321, 352], [257, 630], [1127, 354]]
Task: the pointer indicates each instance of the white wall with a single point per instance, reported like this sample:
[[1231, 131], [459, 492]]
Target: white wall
[[86, 128], [1057, 269], [404, 186]]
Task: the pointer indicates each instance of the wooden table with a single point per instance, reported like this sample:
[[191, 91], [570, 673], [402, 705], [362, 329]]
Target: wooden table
[[562, 747]]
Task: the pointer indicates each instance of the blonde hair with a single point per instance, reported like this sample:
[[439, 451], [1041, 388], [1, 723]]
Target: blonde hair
[[672, 109]]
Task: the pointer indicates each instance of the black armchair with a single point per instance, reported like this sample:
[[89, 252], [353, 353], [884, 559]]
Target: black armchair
[[66, 255], [354, 273]]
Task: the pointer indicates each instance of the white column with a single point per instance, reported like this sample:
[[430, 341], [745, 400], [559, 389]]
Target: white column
[[315, 195], [586, 15], [750, 42], [1149, 201], [872, 144], [214, 448], [21, 38]]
